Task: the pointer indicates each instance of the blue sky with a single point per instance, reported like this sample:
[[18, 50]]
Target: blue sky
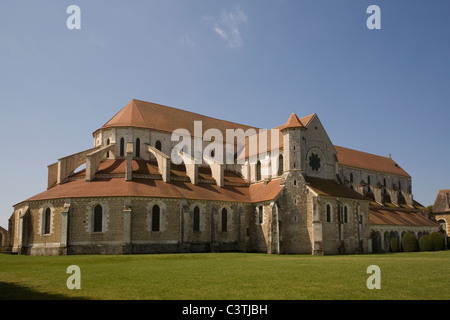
[[250, 61]]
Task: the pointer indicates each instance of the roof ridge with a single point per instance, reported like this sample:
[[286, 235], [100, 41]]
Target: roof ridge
[[370, 161], [369, 153], [293, 122], [195, 113], [309, 117], [144, 117], [135, 107]]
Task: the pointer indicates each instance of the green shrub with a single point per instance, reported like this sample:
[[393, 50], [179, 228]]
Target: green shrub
[[438, 241], [426, 244], [394, 245], [409, 242]]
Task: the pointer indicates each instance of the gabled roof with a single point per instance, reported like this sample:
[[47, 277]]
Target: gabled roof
[[367, 161], [253, 145], [328, 187], [442, 202], [262, 191], [130, 115], [293, 122], [380, 216], [149, 115], [296, 122]]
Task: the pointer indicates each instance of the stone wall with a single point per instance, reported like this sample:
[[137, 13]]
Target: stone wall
[[316, 142], [381, 235], [296, 219], [377, 179], [340, 234], [83, 239], [127, 227], [28, 234], [445, 217]]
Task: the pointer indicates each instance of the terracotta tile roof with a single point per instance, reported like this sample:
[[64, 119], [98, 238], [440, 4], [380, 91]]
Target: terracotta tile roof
[[380, 216], [116, 167], [109, 183], [260, 192], [149, 115], [307, 119], [265, 147], [419, 206], [332, 188], [442, 202], [363, 160], [143, 167], [140, 187], [293, 122]]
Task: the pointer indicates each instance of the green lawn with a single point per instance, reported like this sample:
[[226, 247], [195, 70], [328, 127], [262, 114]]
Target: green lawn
[[227, 276]]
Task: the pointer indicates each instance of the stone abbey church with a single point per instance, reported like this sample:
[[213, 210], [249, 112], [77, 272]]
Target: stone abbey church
[[130, 197]]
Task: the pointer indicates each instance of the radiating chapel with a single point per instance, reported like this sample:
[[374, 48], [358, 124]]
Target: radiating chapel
[[128, 195]]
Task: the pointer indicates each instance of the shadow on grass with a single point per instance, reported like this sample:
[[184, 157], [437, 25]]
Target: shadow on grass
[[12, 291]]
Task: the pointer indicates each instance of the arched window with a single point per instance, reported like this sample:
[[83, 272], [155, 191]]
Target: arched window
[[196, 219], [158, 145], [98, 218], [328, 213], [258, 171], [280, 165], [261, 214], [368, 183], [224, 220], [345, 214], [122, 147], [155, 218], [351, 176], [443, 225], [47, 218], [138, 148], [107, 153]]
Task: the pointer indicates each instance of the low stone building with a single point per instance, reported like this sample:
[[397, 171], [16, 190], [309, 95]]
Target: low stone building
[[393, 211], [4, 240], [441, 211], [157, 182]]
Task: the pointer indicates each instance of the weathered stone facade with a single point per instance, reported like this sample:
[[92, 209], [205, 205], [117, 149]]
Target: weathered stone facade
[[127, 227], [133, 199], [441, 213]]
